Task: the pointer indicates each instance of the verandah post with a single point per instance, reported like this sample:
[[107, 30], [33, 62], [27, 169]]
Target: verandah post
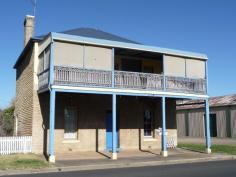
[[207, 127], [52, 126], [114, 133], [163, 142], [114, 136]]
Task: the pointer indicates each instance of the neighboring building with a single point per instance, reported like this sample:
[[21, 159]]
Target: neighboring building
[[88, 90], [190, 117]]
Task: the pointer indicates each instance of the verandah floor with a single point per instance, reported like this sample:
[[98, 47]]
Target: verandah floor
[[127, 157]]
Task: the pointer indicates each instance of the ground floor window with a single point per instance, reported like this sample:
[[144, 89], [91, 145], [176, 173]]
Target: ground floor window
[[70, 118], [148, 121]]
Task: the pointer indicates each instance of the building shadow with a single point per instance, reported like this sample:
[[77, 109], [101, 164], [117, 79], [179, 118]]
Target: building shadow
[[97, 146]]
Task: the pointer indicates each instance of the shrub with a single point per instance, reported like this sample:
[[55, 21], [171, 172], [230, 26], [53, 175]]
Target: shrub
[[7, 121]]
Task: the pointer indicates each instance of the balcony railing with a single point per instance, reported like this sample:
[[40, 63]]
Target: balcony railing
[[43, 79], [73, 76], [81, 77], [188, 85], [135, 80]]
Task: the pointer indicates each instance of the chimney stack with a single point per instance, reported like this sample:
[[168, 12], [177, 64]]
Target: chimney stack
[[28, 28]]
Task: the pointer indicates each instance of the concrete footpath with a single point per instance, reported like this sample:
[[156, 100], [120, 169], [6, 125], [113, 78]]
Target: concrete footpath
[[178, 156]]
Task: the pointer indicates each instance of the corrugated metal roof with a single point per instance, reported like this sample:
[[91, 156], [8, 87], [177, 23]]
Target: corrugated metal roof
[[217, 101], [98, 34]]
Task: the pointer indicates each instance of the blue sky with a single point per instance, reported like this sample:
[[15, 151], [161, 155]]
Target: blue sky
[[205, 26]]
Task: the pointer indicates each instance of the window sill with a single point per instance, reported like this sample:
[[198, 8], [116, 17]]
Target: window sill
[[149, 139], [70, 141]]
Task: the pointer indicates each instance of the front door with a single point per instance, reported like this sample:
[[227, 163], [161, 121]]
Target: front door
[[109, 132]]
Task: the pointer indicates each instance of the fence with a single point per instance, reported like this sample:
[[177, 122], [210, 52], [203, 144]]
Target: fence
[[171, 142], [15, 144]]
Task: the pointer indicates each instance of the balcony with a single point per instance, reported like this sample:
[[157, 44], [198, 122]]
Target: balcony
[[71, 76]]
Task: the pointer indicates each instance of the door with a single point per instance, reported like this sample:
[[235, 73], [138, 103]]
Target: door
[[213, 126], [109, 132]]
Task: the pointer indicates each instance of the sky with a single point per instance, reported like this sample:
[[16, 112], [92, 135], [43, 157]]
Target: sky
[[204, 26]]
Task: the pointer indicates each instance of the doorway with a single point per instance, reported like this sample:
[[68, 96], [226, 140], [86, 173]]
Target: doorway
[[213, 125], [109, 131]]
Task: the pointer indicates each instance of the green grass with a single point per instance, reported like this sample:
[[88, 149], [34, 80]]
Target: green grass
[[224, 149], [22, 161]]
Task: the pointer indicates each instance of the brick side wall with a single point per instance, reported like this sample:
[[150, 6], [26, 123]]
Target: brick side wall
[[24, 94], [28, 108]]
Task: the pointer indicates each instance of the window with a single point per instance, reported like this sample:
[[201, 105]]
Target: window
[[41, 64], [148, 119], [44, 59], [70, 117]]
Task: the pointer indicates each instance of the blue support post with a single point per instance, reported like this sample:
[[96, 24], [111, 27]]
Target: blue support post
[[51, 67], [207, 127], [114, 136], [163, 142], [52, 104], [52, 126], [113, 68], [164, 76]]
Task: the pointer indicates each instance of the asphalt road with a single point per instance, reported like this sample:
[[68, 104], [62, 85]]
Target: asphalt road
[[206, 169]]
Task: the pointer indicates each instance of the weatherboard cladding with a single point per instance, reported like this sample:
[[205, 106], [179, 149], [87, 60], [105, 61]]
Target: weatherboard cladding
[[190, 116], [191, 122]]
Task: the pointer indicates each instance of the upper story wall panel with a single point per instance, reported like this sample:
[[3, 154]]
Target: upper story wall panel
[[78, 55], [195, 68], [98, 58], [184, 67], [174, 66], [68, 54]]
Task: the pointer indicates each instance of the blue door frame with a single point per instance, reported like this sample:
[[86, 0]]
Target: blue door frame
[[109, 132]]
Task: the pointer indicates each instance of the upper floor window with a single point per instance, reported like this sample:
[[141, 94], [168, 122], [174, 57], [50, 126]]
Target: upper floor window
[[44, 59]]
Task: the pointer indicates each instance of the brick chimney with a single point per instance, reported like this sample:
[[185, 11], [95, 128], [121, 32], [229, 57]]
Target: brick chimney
[[28, 28]]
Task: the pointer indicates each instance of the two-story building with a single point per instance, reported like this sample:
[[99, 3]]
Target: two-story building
[[88, 90]]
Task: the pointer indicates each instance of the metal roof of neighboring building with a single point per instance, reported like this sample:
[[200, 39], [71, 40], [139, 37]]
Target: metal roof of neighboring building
[[217, 101]]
